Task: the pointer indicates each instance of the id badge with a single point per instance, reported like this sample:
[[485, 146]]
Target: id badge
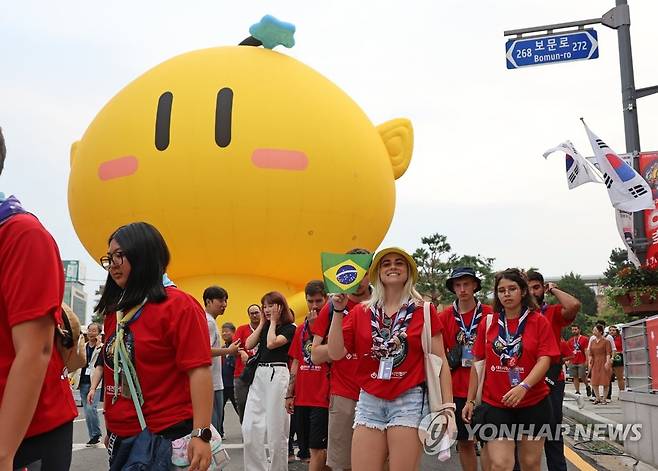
[[467, 356], [385, 368], [515, 376]]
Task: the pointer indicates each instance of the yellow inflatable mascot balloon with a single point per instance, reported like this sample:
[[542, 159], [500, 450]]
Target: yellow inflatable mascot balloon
[[249, 162]]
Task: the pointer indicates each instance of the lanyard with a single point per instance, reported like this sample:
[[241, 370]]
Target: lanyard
[[467, 334], [507, 346]]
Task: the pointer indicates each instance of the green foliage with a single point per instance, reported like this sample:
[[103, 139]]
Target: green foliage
[[618, 260], [575, 286], [435, 262], [638, 281]]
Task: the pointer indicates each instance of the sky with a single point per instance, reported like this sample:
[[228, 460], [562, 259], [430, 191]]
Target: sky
[[477, 173]]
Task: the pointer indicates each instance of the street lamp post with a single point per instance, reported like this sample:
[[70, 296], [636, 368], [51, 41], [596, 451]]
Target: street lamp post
[[618, 18]]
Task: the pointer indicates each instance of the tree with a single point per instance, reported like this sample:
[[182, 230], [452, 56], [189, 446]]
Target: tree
[[618, 260], [586, 318], [435, 262]]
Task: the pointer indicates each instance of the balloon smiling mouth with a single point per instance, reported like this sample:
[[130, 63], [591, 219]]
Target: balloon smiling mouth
[[279, 159], [116, 168]]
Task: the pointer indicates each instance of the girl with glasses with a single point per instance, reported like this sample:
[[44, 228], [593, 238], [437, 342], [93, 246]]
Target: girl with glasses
[[517, 347], [165, 336]]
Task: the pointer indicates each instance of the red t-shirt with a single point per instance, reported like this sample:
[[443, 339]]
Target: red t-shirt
[[242, 333], [578, 345], [408, 363], [166, 341], [460, 376], [312, 383], [535, 342], [31, 286], [553, 313], [342, 376]]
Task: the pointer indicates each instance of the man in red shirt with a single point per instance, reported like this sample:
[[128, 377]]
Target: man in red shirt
[[36, 403], [343, 387], [308, 390], [559, 316], [241, 389], [460, 322], [578, 346]]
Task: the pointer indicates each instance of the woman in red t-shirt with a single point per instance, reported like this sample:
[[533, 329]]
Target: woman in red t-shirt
[[517, 348], [166, 337], [385, 334], [618, 357]]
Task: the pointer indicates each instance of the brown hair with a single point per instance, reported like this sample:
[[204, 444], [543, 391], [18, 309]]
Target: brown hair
[[517, 276], [274, 297]]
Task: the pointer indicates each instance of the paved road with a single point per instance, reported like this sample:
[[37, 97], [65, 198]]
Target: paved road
[[96, 458]]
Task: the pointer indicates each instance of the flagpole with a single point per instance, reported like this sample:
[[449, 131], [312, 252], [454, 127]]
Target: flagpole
[[631, 126]]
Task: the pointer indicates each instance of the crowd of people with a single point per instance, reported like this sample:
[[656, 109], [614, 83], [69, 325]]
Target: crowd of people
[[348, 382]]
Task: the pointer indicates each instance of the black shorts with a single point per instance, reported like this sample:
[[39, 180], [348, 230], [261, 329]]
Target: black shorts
[[52, 450], [532, 421], [462, 431], [312, 426]]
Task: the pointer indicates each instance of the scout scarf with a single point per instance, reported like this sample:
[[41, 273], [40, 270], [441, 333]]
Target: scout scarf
[[508, 346], [10, 207], [465, 336], [119, 348], [387, 332]]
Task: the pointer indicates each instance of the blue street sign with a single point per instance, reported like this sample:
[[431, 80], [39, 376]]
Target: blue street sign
[[573, 46]]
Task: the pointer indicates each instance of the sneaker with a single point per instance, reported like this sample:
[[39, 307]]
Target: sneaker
[[589, 390], [94, 441]]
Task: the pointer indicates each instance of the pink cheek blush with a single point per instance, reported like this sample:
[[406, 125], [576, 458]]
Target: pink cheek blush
[[117, 168]]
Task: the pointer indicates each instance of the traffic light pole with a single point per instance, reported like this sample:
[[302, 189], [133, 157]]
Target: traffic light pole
[[618, 18]]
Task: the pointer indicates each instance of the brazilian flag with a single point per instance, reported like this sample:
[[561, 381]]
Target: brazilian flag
[[343, 272]]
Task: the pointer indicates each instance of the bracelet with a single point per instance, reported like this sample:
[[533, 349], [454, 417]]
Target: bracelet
[[471, 401], [525, 385]]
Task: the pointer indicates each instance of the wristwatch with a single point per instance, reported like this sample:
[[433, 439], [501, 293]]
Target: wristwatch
[[204, 434]]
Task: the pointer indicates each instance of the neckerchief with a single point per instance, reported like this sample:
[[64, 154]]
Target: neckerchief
[[119, 344], [9, 207], [507, 346], [466, 336], [576, 344], [305, 354], [386, 334], [544, 308]]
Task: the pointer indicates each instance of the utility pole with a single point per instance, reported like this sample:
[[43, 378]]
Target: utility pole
[[618, 18]]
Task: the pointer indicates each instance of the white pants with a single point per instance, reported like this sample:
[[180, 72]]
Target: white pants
[[266, 420]]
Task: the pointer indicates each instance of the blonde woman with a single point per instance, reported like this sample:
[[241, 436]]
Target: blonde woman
[[385, 334]]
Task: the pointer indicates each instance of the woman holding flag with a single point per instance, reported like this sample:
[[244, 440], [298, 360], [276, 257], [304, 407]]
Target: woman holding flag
[[385, 334], [517, 347]]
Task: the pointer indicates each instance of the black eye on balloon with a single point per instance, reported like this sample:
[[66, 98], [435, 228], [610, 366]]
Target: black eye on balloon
[[223, 112], [163, 120]]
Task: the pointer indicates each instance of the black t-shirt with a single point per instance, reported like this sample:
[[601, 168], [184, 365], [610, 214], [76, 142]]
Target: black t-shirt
[[84, 377], [280, 354]]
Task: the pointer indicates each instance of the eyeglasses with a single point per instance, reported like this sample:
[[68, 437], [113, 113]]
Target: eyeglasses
[[510, 290], [110, 259]]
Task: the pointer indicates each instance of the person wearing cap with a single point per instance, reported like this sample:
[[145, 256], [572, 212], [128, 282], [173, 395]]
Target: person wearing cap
[[385, 333], [517, 352], [460, 322], [559, 316]]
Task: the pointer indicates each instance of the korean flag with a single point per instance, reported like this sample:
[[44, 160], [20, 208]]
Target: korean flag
[[578, 169], [627, 190]]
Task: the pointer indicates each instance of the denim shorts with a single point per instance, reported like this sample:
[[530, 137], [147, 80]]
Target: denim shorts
[[407, 410]]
